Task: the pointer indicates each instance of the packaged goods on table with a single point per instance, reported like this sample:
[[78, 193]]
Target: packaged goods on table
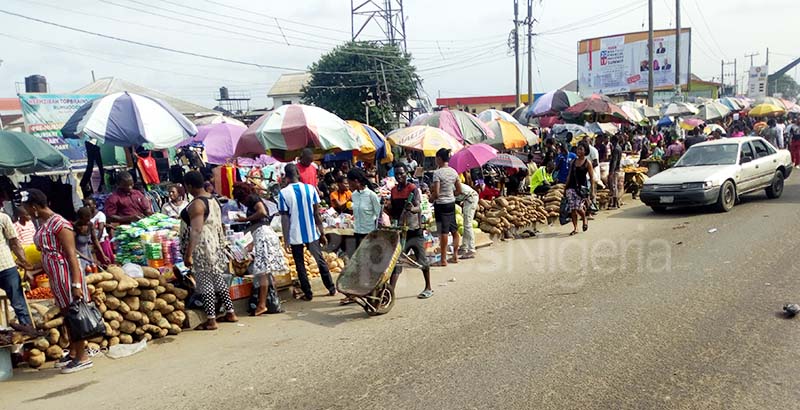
[[151, 241]]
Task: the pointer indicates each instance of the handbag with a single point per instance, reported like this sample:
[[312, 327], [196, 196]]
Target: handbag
[[84, 321], [583, 192]]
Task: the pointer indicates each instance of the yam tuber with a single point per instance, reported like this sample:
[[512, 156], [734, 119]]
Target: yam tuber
[[143, 282], [112, 302], [148, 295], [36, 358], [54, 323], [125, 282], [169, 297], [150, 273], [132, 302], [125, 339], [54, 352], [127, 326], [108, 285], [52, 336], [133, 316], [134, 292], [113, 341], [41, 343]]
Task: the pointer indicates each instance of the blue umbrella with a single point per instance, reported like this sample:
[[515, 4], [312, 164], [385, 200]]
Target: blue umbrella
[[665, 122], [125, 119]]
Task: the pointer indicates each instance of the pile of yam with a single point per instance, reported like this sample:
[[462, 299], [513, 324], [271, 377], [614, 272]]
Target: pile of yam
[[552, 201], [335, 264], [505, 214]]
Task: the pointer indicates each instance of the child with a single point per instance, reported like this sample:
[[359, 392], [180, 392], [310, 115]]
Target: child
[[86, 240], [98, 223], [24, 226]]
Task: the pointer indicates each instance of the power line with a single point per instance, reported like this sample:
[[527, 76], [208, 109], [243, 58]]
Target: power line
[[576, 25], [705, 22]]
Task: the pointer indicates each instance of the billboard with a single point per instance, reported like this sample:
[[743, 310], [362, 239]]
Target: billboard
[[45, 114], [619, 63], [757, 81]]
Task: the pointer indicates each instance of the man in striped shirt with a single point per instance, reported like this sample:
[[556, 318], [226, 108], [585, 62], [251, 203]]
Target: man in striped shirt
[[298, 204]]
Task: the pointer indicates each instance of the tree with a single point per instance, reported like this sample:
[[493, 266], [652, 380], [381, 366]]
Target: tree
[[786, 85], [357, 72]]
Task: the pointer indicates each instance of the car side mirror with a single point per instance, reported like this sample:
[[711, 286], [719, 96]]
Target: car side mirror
[[746, 160]]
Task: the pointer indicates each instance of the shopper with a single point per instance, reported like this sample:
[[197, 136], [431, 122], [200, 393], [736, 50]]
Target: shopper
[[404, 209], [177, 201], [444, 189], [298, 204], [23, 226], [793, 131], [307, 169], [86, 243], [268, 258], [202, 239], [10, 281], [126, 204], [580, 173], [366, 204], [613, 169], [469, 205], [56, 240], [341, 198], [563, 161]]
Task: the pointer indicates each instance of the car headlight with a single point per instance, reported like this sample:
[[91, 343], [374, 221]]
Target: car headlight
[[649, 187], [697, 185]]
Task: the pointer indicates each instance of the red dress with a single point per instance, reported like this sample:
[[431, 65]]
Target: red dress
[[54, 261]]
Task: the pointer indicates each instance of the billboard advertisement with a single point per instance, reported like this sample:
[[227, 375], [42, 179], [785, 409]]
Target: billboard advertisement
[[45, 114], [757, 81], [619, 63]]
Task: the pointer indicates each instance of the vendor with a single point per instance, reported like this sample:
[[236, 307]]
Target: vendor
[[542, 179], [488, 192], [341, 198], [308, 170], [126, 204]]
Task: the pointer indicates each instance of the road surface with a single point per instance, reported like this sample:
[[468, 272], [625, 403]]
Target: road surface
[[643, 311]]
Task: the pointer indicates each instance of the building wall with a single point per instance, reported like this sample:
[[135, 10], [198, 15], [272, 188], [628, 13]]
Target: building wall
[[279, 100]]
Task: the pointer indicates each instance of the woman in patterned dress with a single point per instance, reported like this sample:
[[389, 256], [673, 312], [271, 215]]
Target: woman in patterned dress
[[202, 240], [55, 239], [268, 258]]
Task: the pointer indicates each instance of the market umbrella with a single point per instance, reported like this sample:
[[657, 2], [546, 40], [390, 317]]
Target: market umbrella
[[552, 103], [602, 128], [714, 127], [373, 144], [690, 123], [27, 154], [520, 115], [713, 110], [291, 128], [576, 130], [472, 156], [219, 141], [507, 161], [424, 138], [679, 109], [759, 126], [771, 100], [596, 106], [260, 161], [666, 121], [490, 115], [208, 118], [464, 126], [631, 109], [732, 103], [511, 135], [126, 119], [766, 110]]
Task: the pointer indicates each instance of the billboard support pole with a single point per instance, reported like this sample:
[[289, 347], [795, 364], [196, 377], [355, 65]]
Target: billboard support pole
[[722, 78], [650, 85], [677, 47], [516, 53], [530, 52]]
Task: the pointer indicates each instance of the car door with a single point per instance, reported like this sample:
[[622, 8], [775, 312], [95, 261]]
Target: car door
[[763, 163], [749, 174]]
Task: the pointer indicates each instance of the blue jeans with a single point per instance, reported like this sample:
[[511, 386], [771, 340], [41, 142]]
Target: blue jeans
[[12, 285]]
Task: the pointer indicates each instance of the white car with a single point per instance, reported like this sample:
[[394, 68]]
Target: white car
[[717, 172]]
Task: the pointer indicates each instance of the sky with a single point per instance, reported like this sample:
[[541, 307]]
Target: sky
[[460, 48]]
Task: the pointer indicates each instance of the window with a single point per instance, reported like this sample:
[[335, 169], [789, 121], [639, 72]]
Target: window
[[286, 102], [761, 149], [747, 151]]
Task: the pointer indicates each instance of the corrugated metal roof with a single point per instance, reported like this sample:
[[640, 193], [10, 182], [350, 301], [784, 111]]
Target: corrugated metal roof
[[109, 85], [289, 84]]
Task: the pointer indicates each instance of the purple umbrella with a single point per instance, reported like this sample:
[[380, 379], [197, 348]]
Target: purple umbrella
[[260, 161], [473, 156], [219, 140]]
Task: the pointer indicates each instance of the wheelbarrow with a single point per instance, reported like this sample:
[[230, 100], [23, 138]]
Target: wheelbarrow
[[365, 278]]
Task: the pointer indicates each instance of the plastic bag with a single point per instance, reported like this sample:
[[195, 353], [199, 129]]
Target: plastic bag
[[564, 216], [120, 351], [133, 270], [84, 321]]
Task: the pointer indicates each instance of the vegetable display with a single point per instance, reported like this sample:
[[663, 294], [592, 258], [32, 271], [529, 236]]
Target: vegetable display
[[506, 214]]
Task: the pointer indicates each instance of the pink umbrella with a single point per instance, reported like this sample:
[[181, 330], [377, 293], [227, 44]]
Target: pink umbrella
[[219, 140], [260, 161], [473, 156]]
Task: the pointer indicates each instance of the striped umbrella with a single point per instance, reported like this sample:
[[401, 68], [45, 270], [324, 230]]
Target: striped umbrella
[[632, 110], [507, 161], [424, 138], [713, 110], [597, 106], [374, 148], [291, 128], [464, 126], [732, 103], [125, 119], [510, 135], [214, 118], [553, 103], [490, 115], [680, 109]]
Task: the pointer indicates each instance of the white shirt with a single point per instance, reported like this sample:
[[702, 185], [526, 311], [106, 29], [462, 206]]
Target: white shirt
[[594, 155], [100, 218], [298, 200]]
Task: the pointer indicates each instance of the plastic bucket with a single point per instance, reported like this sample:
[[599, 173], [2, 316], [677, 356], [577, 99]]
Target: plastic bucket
[[6, 369]]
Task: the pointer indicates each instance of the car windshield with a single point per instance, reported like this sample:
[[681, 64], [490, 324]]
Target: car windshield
[[721, 154]]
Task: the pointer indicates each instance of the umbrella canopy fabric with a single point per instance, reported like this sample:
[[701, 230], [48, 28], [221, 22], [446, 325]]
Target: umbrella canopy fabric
[[576, 130], [511, 135], [520, 114], [680, 109], [473, 156], [633, 112], [732, 103], [553, 103], [259, 161], [464, 126], [714, 127], [690, 123], [490, 115], [291, 128], [602, 128], [713, 110], [771, 100], [219, 140], [759, 126], [766, 110], [666, 121], [507, 161], [597, 106], [27, 154], [125, 119], [373, 144], [215, 118], [424, 138]]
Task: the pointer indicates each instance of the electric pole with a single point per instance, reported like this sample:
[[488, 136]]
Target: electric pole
[[751, 55], [650, 85], [735, 83], [516, 53], [677, 47], [530, 52], [767, 62]]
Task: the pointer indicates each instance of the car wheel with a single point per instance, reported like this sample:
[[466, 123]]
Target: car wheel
[[659, 209], [727, 197], [776, 189]]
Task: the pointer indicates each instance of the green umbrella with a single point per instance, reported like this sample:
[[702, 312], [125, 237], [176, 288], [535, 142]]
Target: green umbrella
[[26, 153]]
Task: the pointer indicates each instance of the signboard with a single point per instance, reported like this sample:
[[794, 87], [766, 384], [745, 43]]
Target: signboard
[[619, 64], [757, 81], [45, 114]]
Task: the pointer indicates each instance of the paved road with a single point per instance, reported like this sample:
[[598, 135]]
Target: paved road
[[643, 311]]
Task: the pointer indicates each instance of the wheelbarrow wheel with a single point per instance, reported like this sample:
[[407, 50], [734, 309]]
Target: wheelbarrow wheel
[[386, 295]]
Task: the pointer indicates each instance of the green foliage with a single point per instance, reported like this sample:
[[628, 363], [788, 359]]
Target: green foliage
[[786, 85], [343, 79]]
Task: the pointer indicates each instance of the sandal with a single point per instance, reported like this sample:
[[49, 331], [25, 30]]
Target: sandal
[[227, 319], [573, 233], [427, 293], [585, 227], [205, 326], [439, 264]]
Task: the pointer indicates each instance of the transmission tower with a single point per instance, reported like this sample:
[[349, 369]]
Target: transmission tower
[[387, 15]]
